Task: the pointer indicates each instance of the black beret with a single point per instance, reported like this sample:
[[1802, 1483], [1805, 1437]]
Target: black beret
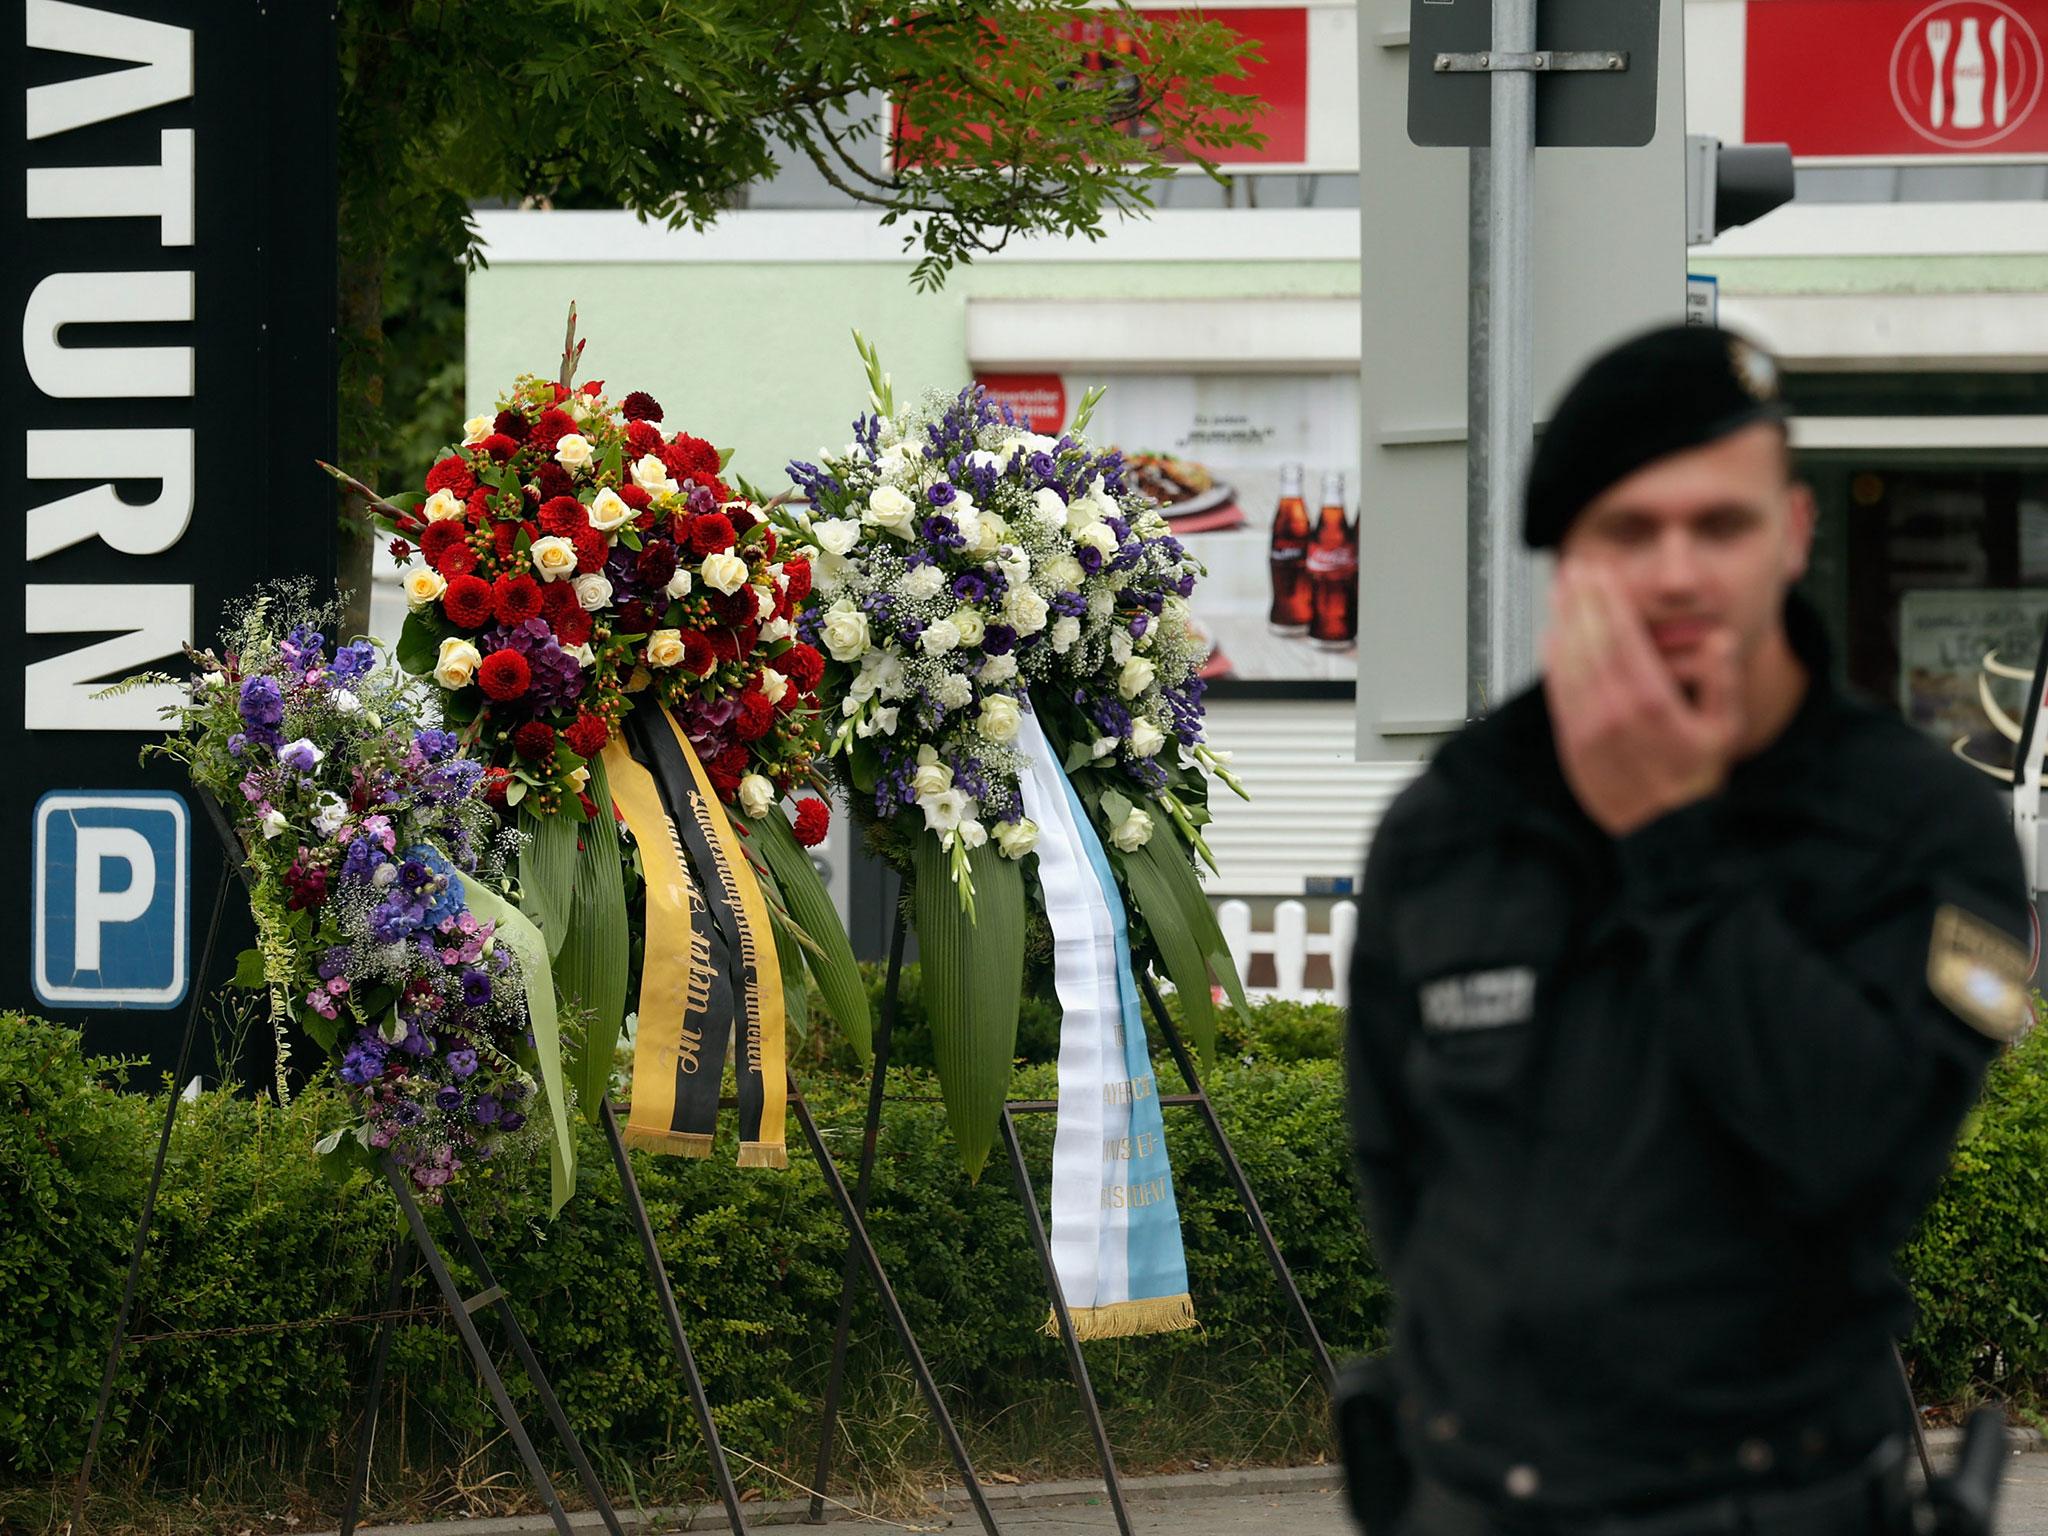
[[1677, 387]]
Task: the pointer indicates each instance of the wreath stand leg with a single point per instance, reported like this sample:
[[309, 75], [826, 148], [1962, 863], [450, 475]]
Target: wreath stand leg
[[373, 1394]]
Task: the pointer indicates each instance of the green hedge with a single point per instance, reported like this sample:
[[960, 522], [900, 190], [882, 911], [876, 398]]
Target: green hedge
[[249, 1232]]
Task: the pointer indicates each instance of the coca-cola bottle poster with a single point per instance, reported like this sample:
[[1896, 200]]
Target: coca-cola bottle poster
[[1258, 475]]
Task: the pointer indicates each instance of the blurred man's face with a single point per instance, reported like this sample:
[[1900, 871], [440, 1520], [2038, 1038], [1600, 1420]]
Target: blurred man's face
[[1705, 540]]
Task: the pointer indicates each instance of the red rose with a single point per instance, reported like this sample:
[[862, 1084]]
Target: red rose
[[553, 479], [468, 602], [635, 497], [699, 655], [557, 602], [535, 740], [496, 782], [499, 446], [591, 549], [711, 533], [513, 425], [401, 551], [561, 516], [797, 570], [813, 821], [504, 676], [802, 665], [553, 426], [587, 737], [455, 558], [515, 599], [655, 564], [504, 537], [756, 716], [643, 438], [640, 406], [439, 536], [572, 628], [451, 474]]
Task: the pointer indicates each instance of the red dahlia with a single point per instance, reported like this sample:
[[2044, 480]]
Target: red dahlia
[[635, 497], [591, 548], [451, 474], [725, 645], [635, 618], [587, 737], [504, 675], [697, 456], [699, 654], [711, 533], [562, 516], [642, 438], [742, 519], [756, 716], [802, 665], [554, 480], [572, 628], [439, 536], [553, 426], [515, 599], [503, 537], [735, 607], [797, 571], [455, 559], [535, 739], [496, 782], [640, 406], [813, 821], [499, 446], [468, 602], [513, 425], [557, 602], [655, 564]]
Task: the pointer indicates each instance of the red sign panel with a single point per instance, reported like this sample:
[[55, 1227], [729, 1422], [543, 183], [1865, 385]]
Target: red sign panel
[[1039, 399], [1897, 78]]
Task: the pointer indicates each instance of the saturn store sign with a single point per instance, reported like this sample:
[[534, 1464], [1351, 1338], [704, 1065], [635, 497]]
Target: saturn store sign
[[170, 228]]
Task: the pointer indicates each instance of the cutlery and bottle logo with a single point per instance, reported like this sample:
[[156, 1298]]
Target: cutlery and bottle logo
[[1314, 567], [1966, 73]]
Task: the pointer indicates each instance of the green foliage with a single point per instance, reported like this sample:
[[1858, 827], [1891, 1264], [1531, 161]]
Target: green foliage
[[973, 978]]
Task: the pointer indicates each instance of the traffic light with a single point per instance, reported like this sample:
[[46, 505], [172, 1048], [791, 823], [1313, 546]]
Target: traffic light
[[1731, 184]]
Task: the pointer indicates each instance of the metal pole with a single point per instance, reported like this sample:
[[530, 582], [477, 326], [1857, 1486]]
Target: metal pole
[[380, 1358], [1065, 1320], [700, 1401], [156, 1178], [870, 1137]]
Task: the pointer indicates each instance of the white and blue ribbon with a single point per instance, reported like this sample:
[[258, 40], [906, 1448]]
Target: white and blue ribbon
[[1116, 1244]]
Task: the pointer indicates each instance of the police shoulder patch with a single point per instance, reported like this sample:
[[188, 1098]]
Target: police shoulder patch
[[1979, 972]]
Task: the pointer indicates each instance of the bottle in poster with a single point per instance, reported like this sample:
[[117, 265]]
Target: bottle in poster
[[1287, 557], [1332, 569]]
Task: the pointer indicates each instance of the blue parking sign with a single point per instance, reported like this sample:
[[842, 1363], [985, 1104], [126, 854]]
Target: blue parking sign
[[112, 898]]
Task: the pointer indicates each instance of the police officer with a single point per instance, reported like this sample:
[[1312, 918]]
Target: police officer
[[1675, 978]]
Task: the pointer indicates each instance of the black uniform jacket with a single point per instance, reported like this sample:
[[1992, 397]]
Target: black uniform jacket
[[1640, 1123]]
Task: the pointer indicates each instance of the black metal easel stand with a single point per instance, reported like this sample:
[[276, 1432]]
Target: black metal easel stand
[[1197, 1098]]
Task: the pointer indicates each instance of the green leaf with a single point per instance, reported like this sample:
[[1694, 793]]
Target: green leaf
[[973, 979], [249, 972], [1115, 807], [419, 644], [591, 966], [547, 874], [1161, 881], [724, 458], [611, 460], [864, 767], [810, 906]]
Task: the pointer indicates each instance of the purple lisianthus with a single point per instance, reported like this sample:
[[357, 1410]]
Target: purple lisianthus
[[998, 640], [941, 495], [488, 1110], [449, 1098], [476, 988], [1090, 558], [511, 1120], [462, 1063]]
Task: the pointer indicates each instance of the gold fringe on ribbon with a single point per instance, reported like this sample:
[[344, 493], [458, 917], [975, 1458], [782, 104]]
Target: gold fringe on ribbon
[[1127, 1319], [763, 1154], [674, 1143]]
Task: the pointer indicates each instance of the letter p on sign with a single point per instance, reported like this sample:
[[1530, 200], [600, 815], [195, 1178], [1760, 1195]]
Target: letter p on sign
[[112, 899]]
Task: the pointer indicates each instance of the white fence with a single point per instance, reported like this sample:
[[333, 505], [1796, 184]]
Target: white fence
[[1290, 944]]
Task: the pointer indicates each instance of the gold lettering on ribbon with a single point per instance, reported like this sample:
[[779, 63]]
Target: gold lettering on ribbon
[[750, 950], [688, 1049], [1128, 1090], [1124, 1148], [1117, 1197]]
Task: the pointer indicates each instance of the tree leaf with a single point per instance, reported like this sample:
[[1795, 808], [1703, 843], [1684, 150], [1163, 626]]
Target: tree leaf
[[973, 980], [809, 904]]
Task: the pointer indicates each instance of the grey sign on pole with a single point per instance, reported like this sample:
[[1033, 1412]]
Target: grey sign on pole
[[1595, 72]]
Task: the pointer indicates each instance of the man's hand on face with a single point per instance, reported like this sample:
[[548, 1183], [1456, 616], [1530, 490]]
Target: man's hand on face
[[1632, 744]]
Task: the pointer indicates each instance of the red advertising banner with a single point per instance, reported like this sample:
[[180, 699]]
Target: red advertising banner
[[1039, 399], [1897, 78]]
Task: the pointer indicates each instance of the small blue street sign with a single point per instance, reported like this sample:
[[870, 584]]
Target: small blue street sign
[[113, 881]]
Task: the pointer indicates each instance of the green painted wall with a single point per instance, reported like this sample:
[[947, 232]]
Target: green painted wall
[[1876, 274], [760, 358]]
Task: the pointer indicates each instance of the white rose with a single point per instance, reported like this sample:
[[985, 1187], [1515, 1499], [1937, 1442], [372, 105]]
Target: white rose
[[1146, 738], [1047, 507], [274, 823], [573, 452], [651, 475], [609, 512], [724, 572], [423, 586], [845, 631], [1026, 610], [1099, 537], [554, 558], [970, 624], [1133, 832], [890, 510], [665, 648], [584, 656], [456, 663], [1000, 717], [678, 585], [1136, 677], [972, 833], [836, 535], [1064, 572], [442, 506], [346, 702], [925, 581], [476, 429], [757, 796], [940, 636], [592, 591], [1064, 633], [773, 685], [999, 669], [1014, 839], [932, 777], [776, 629], [943, 812], [764, 603], [330, 814]]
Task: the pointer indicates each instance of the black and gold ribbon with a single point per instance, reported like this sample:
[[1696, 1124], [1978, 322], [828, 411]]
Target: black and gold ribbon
[[711, 977]]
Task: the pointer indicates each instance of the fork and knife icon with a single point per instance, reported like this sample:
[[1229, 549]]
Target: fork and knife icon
[[1967, 109]]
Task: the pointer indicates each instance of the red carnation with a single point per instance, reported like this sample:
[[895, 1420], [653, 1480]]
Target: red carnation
[[802, 665], [401, 551], [728, 768], [591, 549], [695, 455], [640, 406], [699, 655], [451, 474], [439, 536], [655, 564], [725, 646], [756, 716], [572, 628], [813, 821], [496, 782], [720, 492], [554, 480], [503, 537], [504, 676], [742, 520], [797, 570], [454, 558], [746, 638], [553, 426], [642, 438], [511, 424], [587, 737], [535, 740], [562, 516], [769, 543], [499, 446], [515, 599], [634, 497], [734, 607], [557, 602], [479, 507], [711, 533], [468, 602]]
